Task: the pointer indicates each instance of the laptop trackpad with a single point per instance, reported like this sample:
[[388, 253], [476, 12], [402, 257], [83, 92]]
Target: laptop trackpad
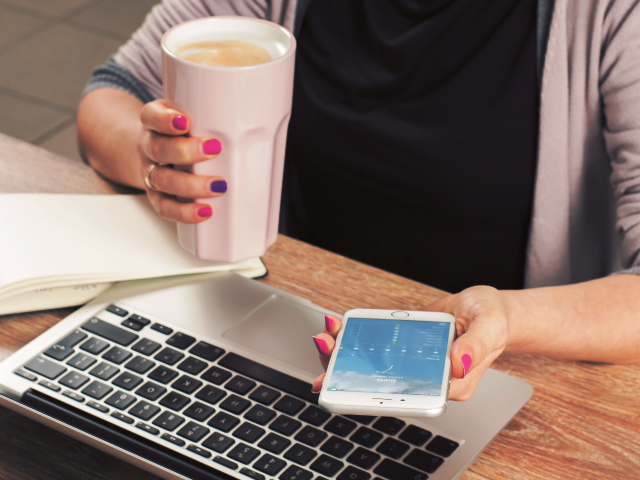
[[281, 329]]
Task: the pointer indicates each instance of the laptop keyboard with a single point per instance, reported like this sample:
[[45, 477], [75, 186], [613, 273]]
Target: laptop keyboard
[[225, 408]]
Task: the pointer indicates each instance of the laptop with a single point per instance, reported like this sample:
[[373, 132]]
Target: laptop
[[209, 377]]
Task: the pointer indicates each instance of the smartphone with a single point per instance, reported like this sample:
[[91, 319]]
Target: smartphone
[[390, 363]]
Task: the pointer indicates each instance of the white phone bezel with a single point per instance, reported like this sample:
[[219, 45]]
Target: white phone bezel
[[363, 403]]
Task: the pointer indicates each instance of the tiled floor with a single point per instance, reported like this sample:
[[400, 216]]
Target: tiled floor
[[47, 51]]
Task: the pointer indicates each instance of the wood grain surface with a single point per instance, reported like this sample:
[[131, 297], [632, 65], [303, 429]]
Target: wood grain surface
[[583, 421]]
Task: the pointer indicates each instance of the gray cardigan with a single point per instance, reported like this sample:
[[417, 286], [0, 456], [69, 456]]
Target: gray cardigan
[[586, 210]]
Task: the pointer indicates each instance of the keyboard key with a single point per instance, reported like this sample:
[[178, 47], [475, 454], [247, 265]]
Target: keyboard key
[[120, 400], [49, 385], [64, 348], [147, 428], [240, 385], [81, 361], [127, 381], [193, 432], [97, 390], [187, 384], [218, 443], [144, 410], [225, 462], [336, 446], [110, 332], [389, 425], [199, 411], [146, 347], [260, 415], [423, 461], [300, 454], [223, 422], [310, 436], [27, 375], [363, 458], [94, 345], [211, 394], [235, 404], [251, 474], [264, 395], [200, 451], [340, 426], [325, 465], [181, 341], [132, 324], [192, 365], [45, 367], [248, 432], [169, 421], [363, 419], [73, 396], [163, 374], [139, 365], [121, 312], [269, 464], [392, 470], [366, 437], [215, 375], [139, 319], [353, 473], [274, 443], [442, 446], [415, 435], [175, 401], [314, 415], [295, 473], [73, 380], [97, 406], [169, 356], [122, 418], [171, 439], [285, 425], [393, 448], [243, 453], [207, 351], [151, 391], [162, 329], [116, 355], [104, 371]]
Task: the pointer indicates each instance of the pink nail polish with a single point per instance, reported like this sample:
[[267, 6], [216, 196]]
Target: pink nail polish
[[179, 122], [212, 147], [328, 323], [466, 363], [321, 345], [205, 212]]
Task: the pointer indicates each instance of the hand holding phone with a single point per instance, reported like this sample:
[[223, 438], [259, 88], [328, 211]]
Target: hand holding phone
[[390, 362]]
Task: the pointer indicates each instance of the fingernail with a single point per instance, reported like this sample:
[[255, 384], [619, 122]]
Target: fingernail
[[205, 212], [321, 345], [315, 391], [466, 363], [328, 324], [179, 122], [212, 147], [218, 186]]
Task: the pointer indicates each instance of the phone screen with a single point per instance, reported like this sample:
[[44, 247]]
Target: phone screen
[[391, 356]]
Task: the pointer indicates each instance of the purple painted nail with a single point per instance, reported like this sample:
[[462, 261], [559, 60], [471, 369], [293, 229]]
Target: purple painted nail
[[179, 122], [218, 186], [328, 323], [466, 363], [321, 345], [205, 212], [212, 147]]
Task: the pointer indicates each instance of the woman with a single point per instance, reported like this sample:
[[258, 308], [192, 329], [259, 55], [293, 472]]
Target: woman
[[489, 132]]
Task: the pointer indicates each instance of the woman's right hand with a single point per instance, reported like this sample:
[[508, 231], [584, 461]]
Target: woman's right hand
[[164, 140]]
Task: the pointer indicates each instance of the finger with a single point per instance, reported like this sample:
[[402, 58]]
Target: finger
[[164, 116], [442, 305], [324, 343], [317, 384], [186, 185], [178, 150], [170, 209], [332, 325], [462, 389]]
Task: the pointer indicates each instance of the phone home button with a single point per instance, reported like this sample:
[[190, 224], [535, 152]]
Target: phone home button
[[400, 314]]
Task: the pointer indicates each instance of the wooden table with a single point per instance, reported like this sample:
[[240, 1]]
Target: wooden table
[[583, 421]]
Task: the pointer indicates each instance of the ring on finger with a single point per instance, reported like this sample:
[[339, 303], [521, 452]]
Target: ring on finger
[[147, 175]]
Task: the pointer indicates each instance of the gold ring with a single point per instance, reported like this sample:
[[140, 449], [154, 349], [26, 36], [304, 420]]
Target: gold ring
[[147, 174]]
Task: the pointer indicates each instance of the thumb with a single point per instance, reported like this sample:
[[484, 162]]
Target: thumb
[[482, 343]]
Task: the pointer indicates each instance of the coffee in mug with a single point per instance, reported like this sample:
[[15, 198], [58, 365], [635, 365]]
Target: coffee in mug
[[224, 53]]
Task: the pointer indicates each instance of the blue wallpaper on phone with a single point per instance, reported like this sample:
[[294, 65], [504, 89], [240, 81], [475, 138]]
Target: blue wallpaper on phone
[[391, 356]]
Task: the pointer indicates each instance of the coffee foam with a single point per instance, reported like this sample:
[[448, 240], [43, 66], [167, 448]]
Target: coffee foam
[[224, 53]]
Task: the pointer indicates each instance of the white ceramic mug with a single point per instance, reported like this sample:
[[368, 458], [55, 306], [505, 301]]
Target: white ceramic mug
[[247, 109]]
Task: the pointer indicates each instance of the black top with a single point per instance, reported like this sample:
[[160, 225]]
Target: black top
[[412, 141]]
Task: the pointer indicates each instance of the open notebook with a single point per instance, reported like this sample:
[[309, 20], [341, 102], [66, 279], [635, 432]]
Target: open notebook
[[63, 250]]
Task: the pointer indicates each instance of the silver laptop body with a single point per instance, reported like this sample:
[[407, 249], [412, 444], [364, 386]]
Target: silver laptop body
[[243, 357]]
